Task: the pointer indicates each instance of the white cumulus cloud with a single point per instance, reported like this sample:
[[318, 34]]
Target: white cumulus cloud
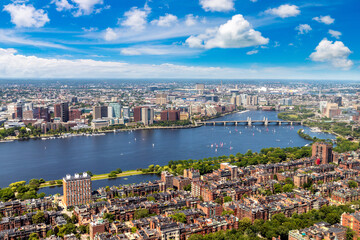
[[217, 5], [80, 7], [86, 7], [62, 5], [110, 35], [303, 28], [335, 53], [26, 15], [284, 11], [325, 19], [136, 18], [235, 33], [165, 21], [335, 34], [191, 20]]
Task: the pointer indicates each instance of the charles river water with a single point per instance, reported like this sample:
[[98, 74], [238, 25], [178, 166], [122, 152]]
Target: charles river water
[[54, 158]]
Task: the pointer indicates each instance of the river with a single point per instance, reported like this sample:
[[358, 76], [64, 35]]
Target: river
[[53, 159]]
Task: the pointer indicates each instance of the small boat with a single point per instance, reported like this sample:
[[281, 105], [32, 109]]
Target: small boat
[[153, 145], [278, 140]]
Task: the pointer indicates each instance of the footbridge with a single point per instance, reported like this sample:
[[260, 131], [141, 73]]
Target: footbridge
[[249, 122]]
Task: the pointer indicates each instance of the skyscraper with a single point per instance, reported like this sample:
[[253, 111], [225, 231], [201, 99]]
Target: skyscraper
[[147, 116], [115, 110], [110, 112], [100, 112], [61, 110], [126, 112], [44, 114], [57, 111], [137, 114], [18, 111]]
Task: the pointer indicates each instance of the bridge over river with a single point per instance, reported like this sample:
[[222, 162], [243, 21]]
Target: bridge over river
[[249, 122]]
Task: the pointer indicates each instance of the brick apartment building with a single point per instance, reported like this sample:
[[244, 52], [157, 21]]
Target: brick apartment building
[[77, 189], [322, 151], [352, 221]]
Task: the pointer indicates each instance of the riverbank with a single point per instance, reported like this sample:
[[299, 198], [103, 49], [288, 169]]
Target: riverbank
[[337, 128], [223, 115], [92, 133], [102, 132], [55, 183]]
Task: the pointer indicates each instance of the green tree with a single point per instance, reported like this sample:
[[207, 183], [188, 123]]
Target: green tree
[[39, 217], [244, 224], [84, 229], [187, 188], [141, 213], [227, 199], [352, 184], [6, 194], [332, 218], [179, 217], [112, 174], [50, 233], [151, 198], [350, 234], [277, 188], [109, 217], [288, 188], [227, 213], [66, 229], [33, 236]]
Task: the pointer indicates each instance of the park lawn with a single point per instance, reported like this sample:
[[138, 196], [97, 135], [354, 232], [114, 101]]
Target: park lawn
[[123, 174], [99, 177]]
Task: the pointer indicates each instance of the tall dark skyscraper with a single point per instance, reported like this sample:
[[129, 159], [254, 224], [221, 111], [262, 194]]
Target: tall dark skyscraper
[[137, 114], [61, 110]]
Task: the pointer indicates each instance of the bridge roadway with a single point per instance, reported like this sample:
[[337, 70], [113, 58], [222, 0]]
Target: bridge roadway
[[249, 122]]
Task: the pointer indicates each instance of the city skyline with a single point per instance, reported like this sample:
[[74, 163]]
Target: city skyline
[[223, 39]]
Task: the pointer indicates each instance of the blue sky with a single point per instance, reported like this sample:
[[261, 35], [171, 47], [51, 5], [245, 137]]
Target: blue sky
[[180, 39]]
